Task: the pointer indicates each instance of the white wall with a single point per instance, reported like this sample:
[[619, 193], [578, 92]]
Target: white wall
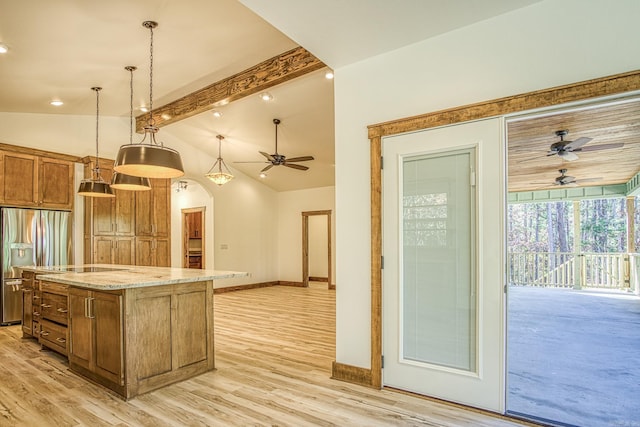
[[195, 196], [291, 205], [547, 44]]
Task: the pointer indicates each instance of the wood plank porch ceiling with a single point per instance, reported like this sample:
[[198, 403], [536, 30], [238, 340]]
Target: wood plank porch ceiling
[[529, 139]]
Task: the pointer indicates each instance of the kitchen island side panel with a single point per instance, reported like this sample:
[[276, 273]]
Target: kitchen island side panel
[[168, 334]]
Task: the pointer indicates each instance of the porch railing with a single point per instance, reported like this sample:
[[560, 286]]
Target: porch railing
[[575, 270]]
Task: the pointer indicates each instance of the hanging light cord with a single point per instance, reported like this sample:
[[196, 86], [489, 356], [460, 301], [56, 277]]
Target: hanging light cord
[[151, 129], [131, 69], [97, 168]]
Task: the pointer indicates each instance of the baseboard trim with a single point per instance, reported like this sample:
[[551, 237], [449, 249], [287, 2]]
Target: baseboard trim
[[285, 283], [351, 374], [244, 287], [318, 279]]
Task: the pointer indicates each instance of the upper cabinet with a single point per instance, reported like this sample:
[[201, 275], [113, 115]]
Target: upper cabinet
[[153, 209], [110, 216], [36, 181]]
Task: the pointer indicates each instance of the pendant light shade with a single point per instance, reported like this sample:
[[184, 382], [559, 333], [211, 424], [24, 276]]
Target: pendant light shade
[[149, 159], [96, 186], [219, 175], [120, 181]]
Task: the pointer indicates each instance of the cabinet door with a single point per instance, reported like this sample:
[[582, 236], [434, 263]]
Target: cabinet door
[[124, 219], [103, 210], [20, 173], [162, 253], [107, 312], [153, 209], [102, 250], [144, 251], [27, 312], [80, 329], [161, 207], [55, 183], [124, 251], [144, 213]]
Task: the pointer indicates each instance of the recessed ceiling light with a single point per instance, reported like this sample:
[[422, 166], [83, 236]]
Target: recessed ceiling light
[[4, 48], [329, 75], [56, 103], [263, 175], [217, 114], [144, 109], [265, 96]]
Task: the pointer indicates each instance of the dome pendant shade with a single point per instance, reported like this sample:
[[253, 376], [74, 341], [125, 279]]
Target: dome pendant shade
[[91, 188], [219, 176], [152, 161], [121, 181]]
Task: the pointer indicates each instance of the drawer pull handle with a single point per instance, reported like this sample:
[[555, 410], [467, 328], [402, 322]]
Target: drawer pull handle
[[36, 313], [62, 340], [45, 305], [62, 310], [36, 297], [44, 333]]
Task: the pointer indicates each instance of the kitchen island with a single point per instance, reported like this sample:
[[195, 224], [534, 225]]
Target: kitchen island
[[134, 329]]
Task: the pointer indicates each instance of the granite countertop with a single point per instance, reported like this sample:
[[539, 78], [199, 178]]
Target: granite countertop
[[106, 276]]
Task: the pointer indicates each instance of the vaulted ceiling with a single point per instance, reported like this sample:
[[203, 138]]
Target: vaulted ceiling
[[59, 50]]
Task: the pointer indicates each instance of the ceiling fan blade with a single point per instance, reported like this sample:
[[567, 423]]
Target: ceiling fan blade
[[294, 166], [577, 143], [603, 147], [300, 159], [268, 156], [568, 156], [266, 168]]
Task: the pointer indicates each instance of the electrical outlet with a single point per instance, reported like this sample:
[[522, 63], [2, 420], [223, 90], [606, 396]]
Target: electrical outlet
[[224, 246]]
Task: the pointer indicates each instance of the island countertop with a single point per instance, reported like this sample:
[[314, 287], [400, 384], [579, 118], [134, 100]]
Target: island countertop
[[107, 276]]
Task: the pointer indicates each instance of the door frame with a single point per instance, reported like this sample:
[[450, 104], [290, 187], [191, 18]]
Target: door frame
[[601, 87], [185, 235], [305, 247]]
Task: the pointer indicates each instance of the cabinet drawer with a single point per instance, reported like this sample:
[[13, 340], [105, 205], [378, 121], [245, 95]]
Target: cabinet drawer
[[54, 288], [36, 308], [54, 307], [53, 336]]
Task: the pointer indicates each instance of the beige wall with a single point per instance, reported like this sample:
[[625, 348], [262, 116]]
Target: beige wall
[[547, 44]]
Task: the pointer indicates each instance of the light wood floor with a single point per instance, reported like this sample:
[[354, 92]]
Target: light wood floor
[[274, 348]]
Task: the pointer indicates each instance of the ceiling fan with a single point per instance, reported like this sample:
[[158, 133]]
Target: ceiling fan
[[566, 149], [277, 159], [565, 179]]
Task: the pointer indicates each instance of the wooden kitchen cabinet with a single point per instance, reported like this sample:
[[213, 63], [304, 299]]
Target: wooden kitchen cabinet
[[35, 181], [153, 252], [153, 209], [194, 224], [96, 335], [114, 250], [53, 316], [111, 216], [28, 280]]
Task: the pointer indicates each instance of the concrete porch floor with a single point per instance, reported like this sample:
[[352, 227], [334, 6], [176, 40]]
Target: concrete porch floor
[[574, 356]]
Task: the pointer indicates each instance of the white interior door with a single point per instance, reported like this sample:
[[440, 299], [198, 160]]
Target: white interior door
[[443, 278]]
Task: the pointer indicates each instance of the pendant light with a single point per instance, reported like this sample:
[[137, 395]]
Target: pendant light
[[219, 176], [120, 181], [96, 186], [150, 159]]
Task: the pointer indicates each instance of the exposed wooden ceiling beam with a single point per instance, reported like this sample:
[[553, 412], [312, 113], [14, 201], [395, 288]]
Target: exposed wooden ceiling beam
[[274, 71]]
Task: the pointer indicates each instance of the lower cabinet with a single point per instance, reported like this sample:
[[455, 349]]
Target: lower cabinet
[[27, 312], [96, 335]]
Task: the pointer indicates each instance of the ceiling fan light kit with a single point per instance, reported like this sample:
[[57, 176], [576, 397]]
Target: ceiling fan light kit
[[150, 159], [219, 175], [96, 186]]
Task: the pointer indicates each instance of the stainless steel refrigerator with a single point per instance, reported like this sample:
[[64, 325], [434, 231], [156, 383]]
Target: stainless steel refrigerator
[[29, 237]]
